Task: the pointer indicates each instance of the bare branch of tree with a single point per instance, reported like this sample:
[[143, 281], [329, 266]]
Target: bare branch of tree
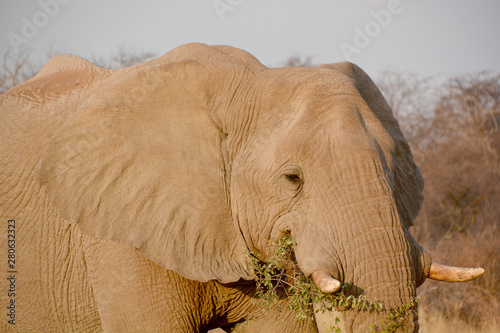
[[16, 68], [299, 61], [125, 56]]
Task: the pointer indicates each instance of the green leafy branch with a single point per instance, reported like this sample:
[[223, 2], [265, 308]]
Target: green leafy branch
[[280, 277]]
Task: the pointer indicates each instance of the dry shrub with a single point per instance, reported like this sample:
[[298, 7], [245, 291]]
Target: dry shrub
[[15, 68], [298, 60], [456, 143], [124, 56], [459, 226]]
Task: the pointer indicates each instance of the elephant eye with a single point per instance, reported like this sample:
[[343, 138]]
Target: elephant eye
[[294, 178], [293, 181], [290, 178]]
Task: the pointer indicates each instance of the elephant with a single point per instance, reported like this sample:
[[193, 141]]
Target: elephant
[[136, 193]]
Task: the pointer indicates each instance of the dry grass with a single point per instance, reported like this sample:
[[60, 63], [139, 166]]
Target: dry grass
[[436, 323]]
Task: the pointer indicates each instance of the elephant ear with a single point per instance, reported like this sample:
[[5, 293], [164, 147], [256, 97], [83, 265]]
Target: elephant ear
[[143, 162], [408, 180]]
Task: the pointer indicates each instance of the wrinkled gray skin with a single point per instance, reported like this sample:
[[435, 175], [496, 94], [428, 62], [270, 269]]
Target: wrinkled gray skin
[[169, 170]]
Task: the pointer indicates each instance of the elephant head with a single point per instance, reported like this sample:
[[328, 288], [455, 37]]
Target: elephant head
[[203, 154]]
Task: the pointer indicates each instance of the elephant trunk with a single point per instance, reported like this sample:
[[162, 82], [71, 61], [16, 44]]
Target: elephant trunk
[[385, 270], [383, 263], [369, 249]]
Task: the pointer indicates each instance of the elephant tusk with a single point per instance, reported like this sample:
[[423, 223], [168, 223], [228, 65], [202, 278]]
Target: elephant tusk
[[441, 272], [326, 282]]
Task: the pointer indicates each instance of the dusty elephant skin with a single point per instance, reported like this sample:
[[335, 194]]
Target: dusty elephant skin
[[137, 191]]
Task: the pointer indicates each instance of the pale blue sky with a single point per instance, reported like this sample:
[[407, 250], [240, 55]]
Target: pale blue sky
[[423, 36]]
